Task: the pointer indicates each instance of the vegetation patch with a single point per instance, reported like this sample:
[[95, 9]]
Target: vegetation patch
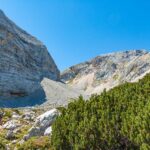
[[115, 120], [36, 143]]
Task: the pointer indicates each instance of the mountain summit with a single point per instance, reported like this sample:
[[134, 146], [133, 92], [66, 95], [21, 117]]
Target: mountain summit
[[108, 71], [24, 61]]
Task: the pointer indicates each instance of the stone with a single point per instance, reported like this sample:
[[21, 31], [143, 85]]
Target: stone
[[24, 61], [15, 116], [42, 123], [29, 115], [10, 135], [14, 142], [48, 131], [11, 125]]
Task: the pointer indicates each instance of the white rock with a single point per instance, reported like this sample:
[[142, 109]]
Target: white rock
[[10, 134], [15, 116], [21, 142], [14, 142], [42, 123], [30, 115], [48, 131], [49, 115], [11, 125]]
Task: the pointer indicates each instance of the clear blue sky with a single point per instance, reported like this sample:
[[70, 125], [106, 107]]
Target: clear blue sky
[[77, 30]]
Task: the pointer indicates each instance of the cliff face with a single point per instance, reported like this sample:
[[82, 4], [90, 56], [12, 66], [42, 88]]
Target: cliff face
[[108, 71], [24, 61]]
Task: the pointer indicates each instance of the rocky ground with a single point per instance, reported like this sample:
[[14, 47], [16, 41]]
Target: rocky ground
[[19, 125], [29, 77]]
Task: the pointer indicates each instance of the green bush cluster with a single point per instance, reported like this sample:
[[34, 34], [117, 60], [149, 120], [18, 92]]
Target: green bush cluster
[[2, 144], [115, 120], [36, 143]]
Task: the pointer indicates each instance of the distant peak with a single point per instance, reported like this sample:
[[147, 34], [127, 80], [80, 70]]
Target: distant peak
[[3, 16], [1, 13], [134, 51]]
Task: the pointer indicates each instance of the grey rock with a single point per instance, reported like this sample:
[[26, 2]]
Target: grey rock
[[11, 125], [48, 131], [107, 71], [42, 123], [14, 142], [29, 115], [58, 93], [10, 135], [24, 61], [15, 116]]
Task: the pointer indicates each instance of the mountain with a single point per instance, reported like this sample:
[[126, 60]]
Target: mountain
[[108, 71], [29, 75], [24, 61]]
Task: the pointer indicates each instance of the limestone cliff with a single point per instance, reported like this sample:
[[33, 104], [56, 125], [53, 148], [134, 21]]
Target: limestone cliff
[[24, 61]]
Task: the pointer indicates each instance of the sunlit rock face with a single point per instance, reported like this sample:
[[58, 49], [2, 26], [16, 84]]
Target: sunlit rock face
[[24, 61], [108, 71]]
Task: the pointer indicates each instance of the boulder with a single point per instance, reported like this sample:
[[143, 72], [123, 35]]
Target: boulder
[[48, 131], [15, 116], [11, 125], [10, 135], [29, 115], [42, 123]]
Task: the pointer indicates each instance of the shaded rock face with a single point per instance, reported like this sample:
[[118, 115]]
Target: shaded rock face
[[107, 71], [24, 61]]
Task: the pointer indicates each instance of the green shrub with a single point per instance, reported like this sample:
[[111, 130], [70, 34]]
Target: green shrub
[[36, 143], [2, 144], [115, 120]]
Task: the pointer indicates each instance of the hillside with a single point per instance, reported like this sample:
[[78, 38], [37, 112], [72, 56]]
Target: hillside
[[108, 71], [115, 120]]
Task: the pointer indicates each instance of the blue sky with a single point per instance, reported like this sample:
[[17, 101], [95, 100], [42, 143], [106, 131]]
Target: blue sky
[[78, 30]]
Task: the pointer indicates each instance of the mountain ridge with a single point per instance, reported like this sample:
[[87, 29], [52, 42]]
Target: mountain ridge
[[107, 71], [29, 74]]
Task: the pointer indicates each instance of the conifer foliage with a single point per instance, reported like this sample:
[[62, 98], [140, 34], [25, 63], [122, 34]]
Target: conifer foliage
[[115, 120]]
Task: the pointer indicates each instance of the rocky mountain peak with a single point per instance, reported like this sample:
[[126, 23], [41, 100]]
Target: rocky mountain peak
[[1, 12], [107, 71], [24, 61]]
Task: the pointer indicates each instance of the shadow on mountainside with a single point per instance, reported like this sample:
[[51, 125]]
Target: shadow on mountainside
[[37, 98]]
